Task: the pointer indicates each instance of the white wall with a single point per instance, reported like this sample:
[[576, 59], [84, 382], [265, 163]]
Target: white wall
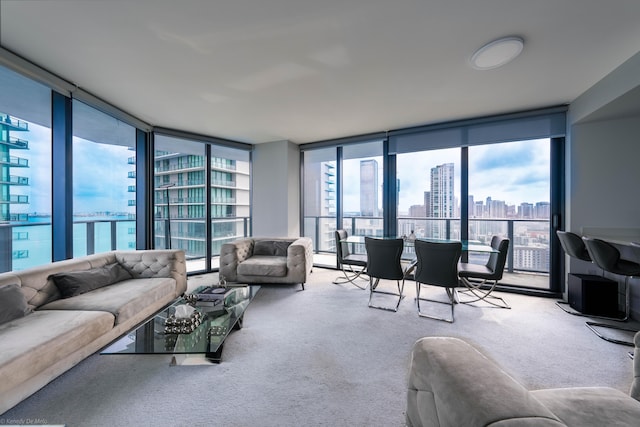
[[605, 174], [276, 189], [603, 162]]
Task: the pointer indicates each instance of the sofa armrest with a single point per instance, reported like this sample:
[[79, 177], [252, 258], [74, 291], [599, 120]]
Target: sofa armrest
[[300, 257], [635, 385], [233, 253], [452, 384], [156, 263]]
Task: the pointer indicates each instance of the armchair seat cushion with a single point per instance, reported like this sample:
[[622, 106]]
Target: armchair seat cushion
[[584, 406], [264, 265]]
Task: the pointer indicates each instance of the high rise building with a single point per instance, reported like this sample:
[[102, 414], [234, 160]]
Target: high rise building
[[526, 211], [320, 203], [442, 203], [427, 204], [369, 188], [180, 201], [543, 210], [8, 162]]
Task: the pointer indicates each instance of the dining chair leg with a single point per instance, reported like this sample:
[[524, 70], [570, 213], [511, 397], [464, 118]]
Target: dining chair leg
[[452, 295], [479, 294], [349, 275], [373, 289]]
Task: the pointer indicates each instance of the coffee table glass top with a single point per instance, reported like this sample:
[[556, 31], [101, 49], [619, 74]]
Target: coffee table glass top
[[207, 338]]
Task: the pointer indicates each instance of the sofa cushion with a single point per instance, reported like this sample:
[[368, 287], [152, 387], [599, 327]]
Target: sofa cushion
[[262, 265], [123, 299], [43, 338], [76, 283], [271, 247], [590, 406], [13, 303]]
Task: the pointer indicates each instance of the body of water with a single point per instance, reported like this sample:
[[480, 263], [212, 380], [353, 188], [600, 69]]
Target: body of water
[[32, 241]]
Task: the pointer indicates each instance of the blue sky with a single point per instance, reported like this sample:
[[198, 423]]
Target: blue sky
[[513, 172], [100, 175]]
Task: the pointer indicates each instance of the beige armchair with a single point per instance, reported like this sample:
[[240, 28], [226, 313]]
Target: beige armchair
[[267, 260], [453, 384]]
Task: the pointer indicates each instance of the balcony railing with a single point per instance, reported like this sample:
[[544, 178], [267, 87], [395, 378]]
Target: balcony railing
[[181, 183], [529, 250], [223, 165], [223, 182], [16, 143], [15, 123], [15, 180], [14, 199], [180, 166], [14, 162], [29, 240]]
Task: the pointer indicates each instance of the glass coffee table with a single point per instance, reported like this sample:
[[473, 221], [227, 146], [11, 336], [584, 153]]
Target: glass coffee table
[[203, 344]]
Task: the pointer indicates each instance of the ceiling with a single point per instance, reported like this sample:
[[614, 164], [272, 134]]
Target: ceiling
[[305, 70]]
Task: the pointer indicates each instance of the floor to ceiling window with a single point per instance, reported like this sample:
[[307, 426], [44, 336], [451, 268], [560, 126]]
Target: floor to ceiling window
[[198, 200], [509, 196], [103, 182], [466, 180], [429, 194], [230, 197], [180, 199], [79, 176], [320, 198], [25, 172], [362, 179]]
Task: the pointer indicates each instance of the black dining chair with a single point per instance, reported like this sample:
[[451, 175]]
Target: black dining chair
[[352, 266], [607, 257], [384, 262], [481, 280], [573, 245], [437, 265]]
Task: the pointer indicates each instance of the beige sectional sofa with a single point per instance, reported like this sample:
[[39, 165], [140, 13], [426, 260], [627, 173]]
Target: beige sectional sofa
[[453, 384], [267, 260], [58, 316]]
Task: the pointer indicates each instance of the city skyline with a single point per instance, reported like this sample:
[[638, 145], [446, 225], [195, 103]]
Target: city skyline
[[514, 172]]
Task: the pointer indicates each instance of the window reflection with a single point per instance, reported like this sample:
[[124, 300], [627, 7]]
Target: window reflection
[[103, 182], [25, 172]]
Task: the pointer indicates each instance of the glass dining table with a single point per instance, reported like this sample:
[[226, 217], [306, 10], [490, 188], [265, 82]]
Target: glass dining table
[[409, 254], [467, 245]]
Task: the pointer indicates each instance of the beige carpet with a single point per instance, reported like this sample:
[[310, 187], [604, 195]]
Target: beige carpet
[[321, 357]]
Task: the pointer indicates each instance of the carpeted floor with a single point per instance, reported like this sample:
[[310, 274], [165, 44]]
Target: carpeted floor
[[321, 357]]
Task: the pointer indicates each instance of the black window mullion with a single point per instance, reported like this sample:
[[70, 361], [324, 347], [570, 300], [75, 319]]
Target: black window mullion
[[464, 198], [389, 192], [61, 177], [208, 252], [339, 191], [144, 190]]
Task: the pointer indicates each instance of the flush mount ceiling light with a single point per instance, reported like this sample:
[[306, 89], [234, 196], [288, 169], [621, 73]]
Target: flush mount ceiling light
[[497, 53]]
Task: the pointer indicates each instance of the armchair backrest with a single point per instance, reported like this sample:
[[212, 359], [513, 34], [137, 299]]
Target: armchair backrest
[[635, 386]]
